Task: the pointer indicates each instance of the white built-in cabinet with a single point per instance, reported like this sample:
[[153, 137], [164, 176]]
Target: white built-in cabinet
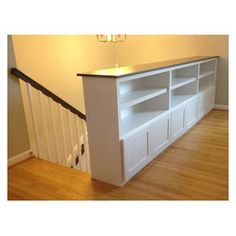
[[206, 101], [191, 115], [143, 146], [177, 122], [159, 135], [135, 149], [183, 117], [132, 118]]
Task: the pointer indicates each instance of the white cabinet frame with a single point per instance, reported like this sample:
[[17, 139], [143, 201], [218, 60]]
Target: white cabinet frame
[[132, 118]]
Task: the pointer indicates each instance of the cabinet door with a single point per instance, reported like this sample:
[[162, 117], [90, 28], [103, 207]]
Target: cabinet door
[[191, 113], [211, 98], [177, 122], [206, 102], [159, 136], [202, 104], [135, 153]]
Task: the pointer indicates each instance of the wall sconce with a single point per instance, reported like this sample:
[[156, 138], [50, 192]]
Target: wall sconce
[[114, 38]]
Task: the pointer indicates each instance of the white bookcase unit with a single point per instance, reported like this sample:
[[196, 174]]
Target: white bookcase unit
[[135, 112]]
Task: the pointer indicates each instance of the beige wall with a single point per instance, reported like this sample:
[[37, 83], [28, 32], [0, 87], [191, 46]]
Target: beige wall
[[18, 140], [138, 49], [54, 60]]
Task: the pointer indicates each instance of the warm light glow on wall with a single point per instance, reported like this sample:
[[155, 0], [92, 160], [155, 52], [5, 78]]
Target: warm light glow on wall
[[111, 38]]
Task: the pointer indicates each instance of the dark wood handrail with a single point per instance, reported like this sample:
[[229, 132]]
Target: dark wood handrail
[[21, 75]]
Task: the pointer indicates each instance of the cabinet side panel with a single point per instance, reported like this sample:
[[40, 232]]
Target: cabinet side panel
[[103, 129]]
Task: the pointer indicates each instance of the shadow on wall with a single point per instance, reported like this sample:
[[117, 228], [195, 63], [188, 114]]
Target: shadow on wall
[[222, 82], [18, 140]]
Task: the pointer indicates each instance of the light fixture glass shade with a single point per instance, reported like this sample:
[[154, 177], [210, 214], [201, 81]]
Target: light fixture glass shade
[[111, 37]]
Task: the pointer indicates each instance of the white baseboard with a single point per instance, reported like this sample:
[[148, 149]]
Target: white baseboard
[[221, 107], [20, 157]]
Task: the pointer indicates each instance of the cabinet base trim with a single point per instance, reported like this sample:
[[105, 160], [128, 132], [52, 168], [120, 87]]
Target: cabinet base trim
[[221, 107]]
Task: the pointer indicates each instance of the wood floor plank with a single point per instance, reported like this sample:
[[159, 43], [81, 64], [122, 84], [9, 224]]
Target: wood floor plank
[[195, 167]]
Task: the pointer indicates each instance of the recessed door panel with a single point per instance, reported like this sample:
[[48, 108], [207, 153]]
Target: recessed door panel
[[159, 136], [178, 122], [135, 150], [191, 113]]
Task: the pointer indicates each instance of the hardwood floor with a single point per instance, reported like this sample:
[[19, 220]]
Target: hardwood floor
[[193, 168]]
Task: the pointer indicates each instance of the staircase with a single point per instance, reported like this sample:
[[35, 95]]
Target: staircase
[[57, 131]]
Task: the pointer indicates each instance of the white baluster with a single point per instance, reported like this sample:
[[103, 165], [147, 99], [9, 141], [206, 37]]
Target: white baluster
[[34, 123], [27, 103], [55, 141], [63, 133], [42, 108]]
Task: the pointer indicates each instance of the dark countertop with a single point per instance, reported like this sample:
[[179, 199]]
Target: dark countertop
[[118, 72]]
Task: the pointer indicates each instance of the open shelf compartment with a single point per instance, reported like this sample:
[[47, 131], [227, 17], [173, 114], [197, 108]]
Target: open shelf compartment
[[206, 74], [207, 68], [183, 76], [183, 94], [206, 83], [178, 99], [136, 96], [139, 115], [135, 91], [179, 82], [183, 84]]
